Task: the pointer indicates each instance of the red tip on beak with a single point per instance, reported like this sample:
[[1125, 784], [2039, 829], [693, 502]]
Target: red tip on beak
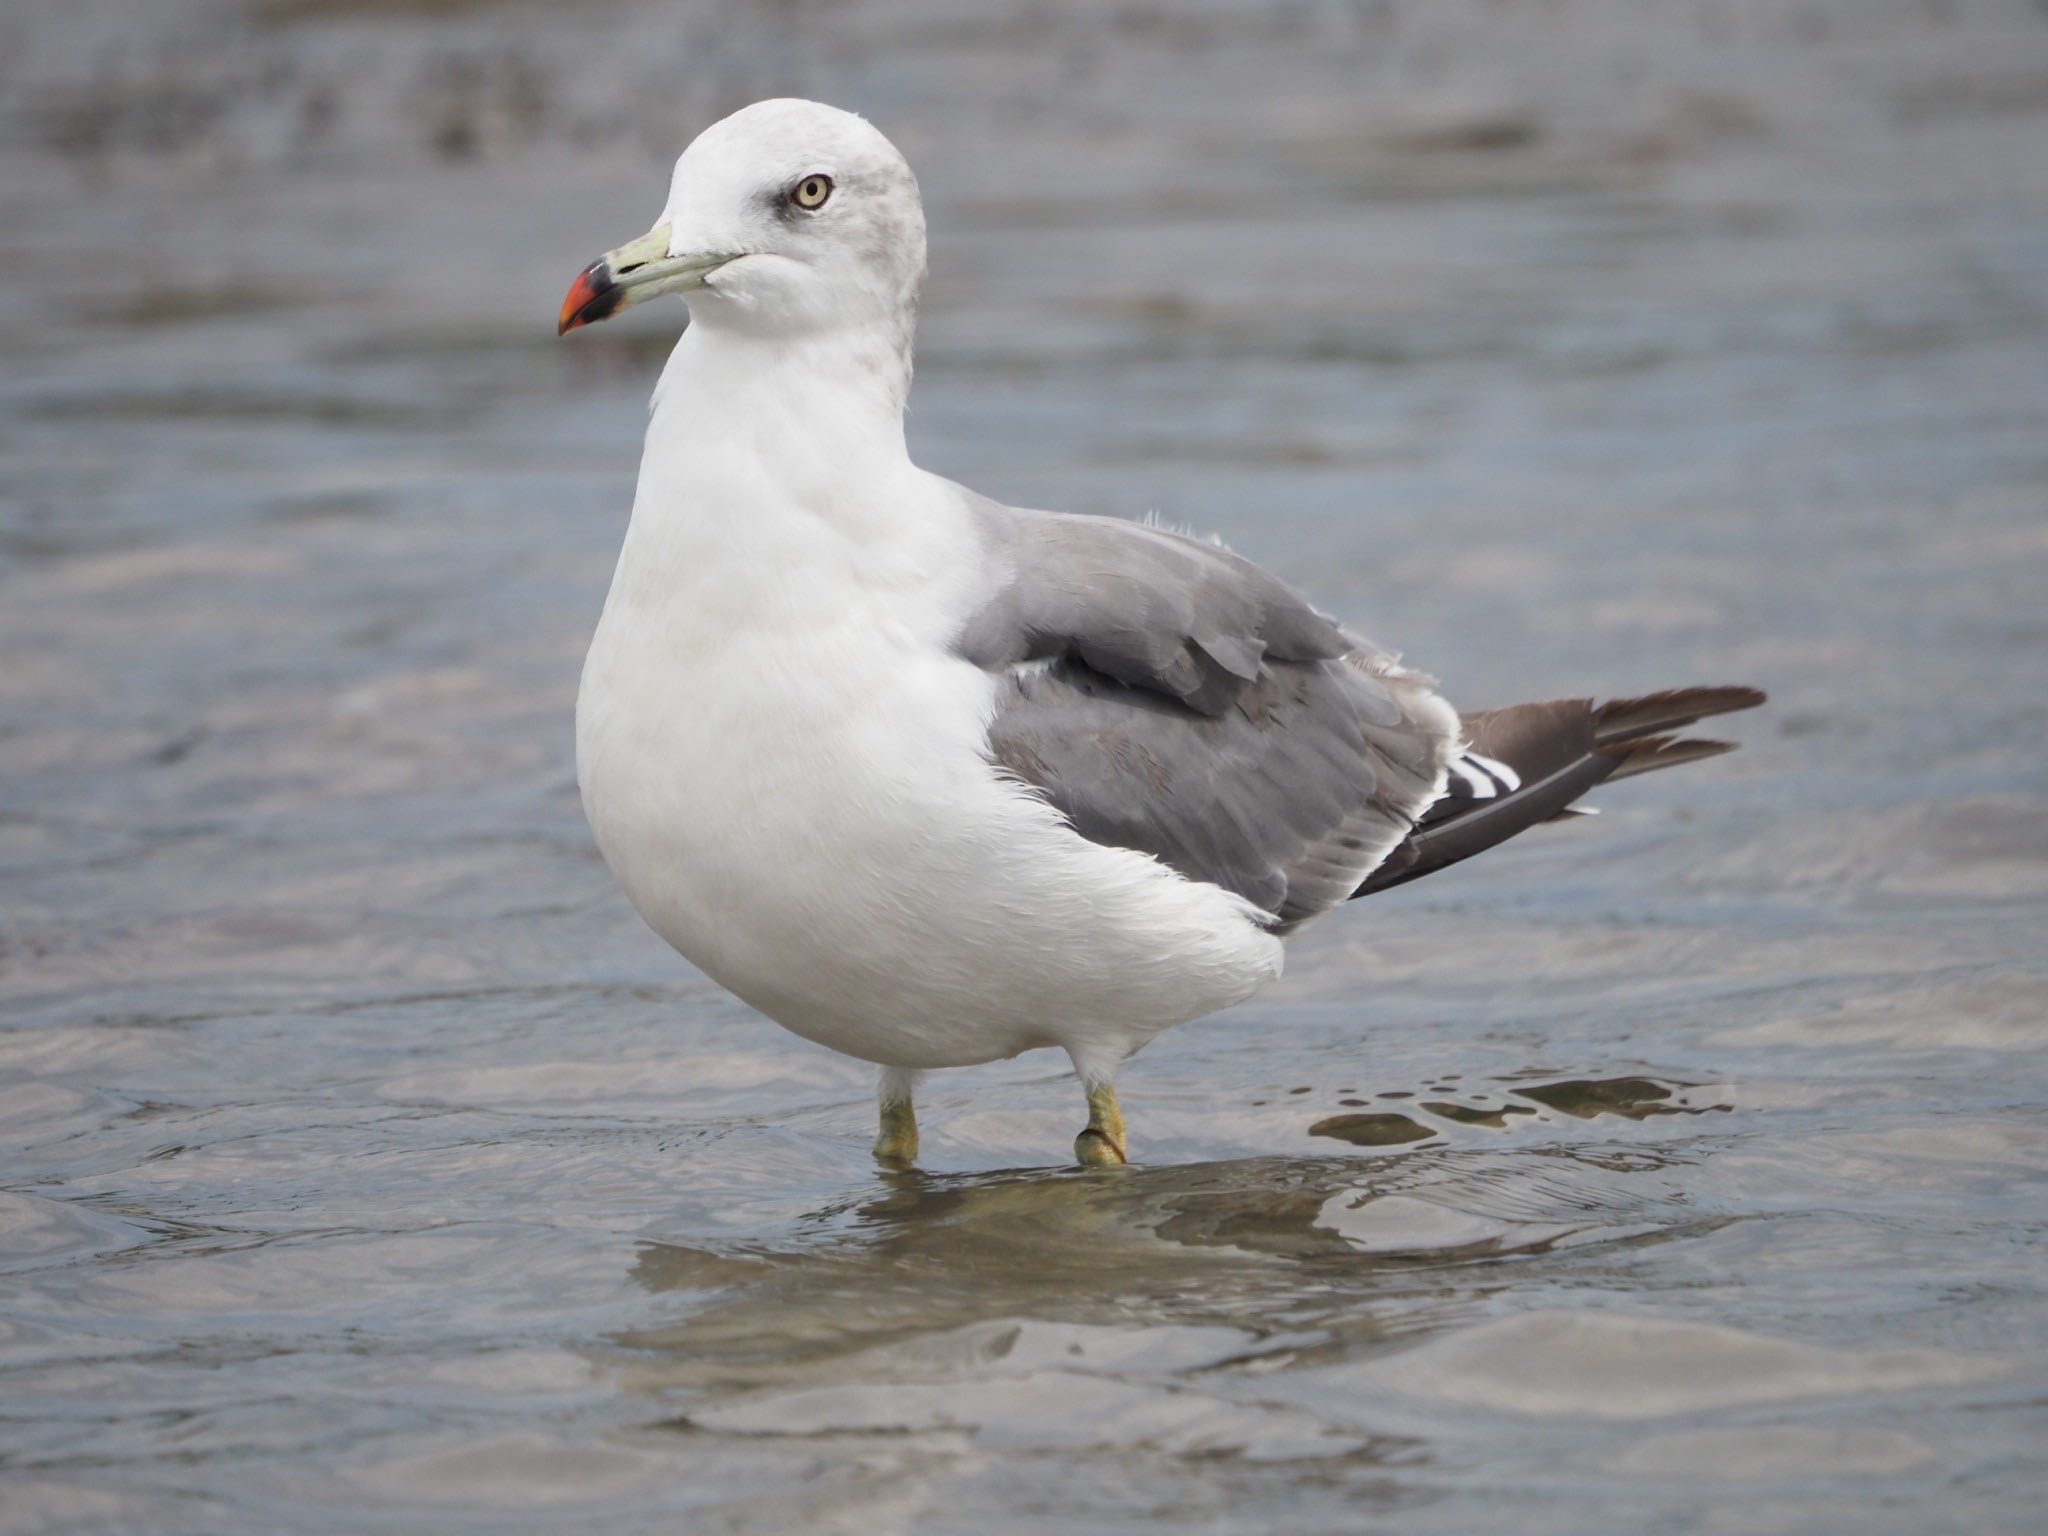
[[593, 296]]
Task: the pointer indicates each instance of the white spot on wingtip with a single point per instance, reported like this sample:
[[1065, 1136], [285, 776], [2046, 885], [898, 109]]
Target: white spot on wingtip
[[1509, 779], [1478, 783]]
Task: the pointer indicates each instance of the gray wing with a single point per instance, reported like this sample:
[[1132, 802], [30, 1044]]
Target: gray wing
[[1167, 696]]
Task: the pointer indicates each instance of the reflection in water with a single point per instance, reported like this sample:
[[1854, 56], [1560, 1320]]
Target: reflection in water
[[1214, 1244], [1106, 1310]]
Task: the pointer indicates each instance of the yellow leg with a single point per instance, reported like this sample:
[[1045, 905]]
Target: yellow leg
[[1102, 1143], [896, 1146]]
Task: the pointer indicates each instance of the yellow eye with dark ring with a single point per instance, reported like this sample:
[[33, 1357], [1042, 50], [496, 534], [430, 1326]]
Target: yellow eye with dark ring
[[810, 193]]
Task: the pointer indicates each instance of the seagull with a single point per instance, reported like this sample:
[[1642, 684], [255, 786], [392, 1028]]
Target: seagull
[[933, 781]]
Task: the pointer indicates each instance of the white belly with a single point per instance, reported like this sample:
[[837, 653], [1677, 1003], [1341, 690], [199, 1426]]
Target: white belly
[[806, 813]]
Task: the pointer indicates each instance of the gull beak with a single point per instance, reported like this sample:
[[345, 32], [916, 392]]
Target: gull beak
[[640, 269]]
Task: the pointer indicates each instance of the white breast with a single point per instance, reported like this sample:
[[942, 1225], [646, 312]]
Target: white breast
[[787, 771]]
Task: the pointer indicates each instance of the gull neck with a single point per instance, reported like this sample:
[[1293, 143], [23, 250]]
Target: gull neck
[[847, 382]]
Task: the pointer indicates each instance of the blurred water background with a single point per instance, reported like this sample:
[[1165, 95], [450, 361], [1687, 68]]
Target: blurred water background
[[368, 1167]]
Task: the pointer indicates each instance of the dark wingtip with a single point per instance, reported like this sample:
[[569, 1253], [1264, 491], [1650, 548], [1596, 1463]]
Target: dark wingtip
[[1622, 720], [1667, 752], [1562, 748]]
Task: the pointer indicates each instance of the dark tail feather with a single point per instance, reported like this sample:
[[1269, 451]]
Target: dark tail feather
[[1673, 710], [1557, 750]]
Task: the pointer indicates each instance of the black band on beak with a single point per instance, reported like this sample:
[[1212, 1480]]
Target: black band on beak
[[592, 297]]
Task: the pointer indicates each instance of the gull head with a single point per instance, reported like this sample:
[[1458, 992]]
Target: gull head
[[787, 218]]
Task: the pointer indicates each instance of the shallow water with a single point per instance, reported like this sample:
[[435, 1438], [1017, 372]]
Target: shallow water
[[370, 1168]]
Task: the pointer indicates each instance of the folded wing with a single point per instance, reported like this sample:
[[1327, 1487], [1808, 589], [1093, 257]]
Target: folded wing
[[1169, 697]]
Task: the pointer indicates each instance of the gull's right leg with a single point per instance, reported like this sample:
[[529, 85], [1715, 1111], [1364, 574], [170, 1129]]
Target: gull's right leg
[[1102, 1143], [896, 1146]]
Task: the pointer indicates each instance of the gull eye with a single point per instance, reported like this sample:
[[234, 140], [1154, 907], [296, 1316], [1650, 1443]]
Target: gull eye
[[810, 193]]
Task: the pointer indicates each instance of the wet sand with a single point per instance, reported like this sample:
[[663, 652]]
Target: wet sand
[[371, 1168]]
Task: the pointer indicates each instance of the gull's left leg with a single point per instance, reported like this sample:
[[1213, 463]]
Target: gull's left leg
[[1101, 1143], [896, 1146]]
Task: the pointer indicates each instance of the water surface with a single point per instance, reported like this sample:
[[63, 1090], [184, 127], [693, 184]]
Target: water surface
[[370, 1168]]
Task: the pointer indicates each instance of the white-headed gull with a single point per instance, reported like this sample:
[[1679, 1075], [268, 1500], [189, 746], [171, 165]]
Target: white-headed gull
[[931, 780]]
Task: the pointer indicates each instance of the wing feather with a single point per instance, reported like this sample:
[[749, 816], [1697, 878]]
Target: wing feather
[[1191, 706]]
